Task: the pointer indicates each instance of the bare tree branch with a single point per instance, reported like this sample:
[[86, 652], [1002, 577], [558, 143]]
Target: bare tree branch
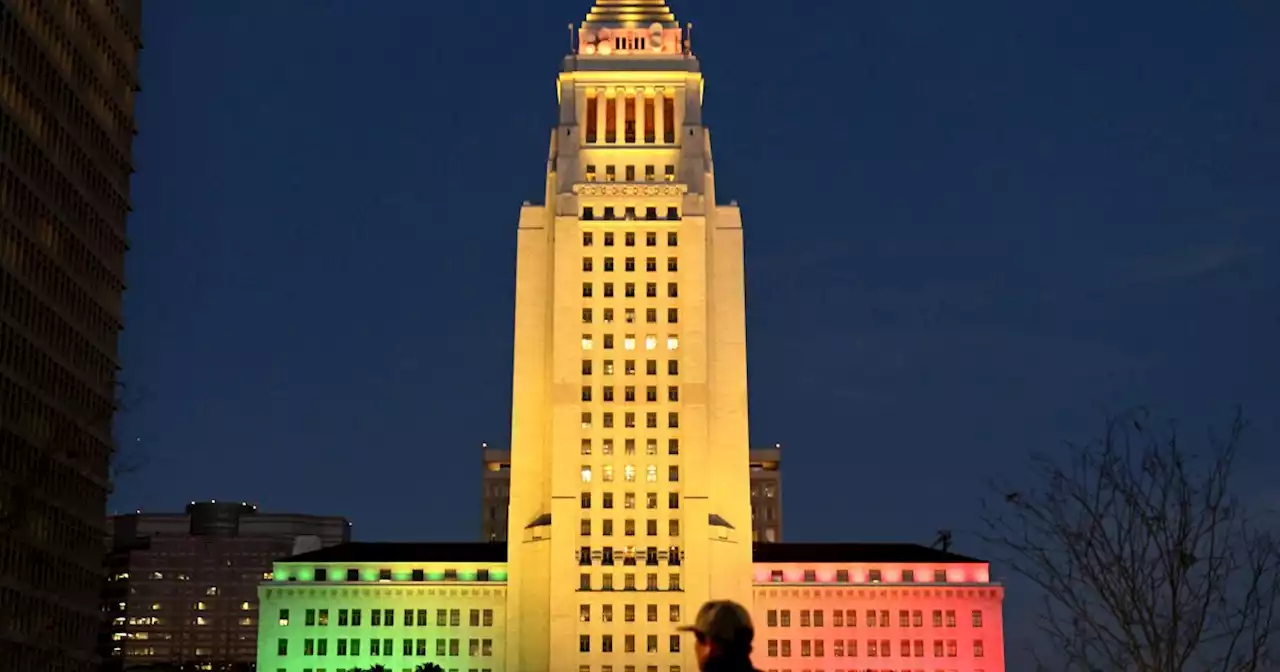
[[1145, 558]]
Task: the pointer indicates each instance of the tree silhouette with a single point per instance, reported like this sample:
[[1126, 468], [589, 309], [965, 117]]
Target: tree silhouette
[[1146, 560], [428, 667]]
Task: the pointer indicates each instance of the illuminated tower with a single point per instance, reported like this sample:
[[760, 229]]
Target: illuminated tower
[[629, 492]]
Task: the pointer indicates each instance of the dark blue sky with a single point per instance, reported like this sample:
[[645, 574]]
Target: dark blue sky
[[971, 229]]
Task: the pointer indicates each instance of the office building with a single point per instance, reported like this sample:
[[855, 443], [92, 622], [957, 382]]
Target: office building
[[766, 493], [182, 587], [68, 77], [629, 400]]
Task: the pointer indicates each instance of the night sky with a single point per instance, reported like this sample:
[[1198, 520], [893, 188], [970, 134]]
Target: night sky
[[972, 229]]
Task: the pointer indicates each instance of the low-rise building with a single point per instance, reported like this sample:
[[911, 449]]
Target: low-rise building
[[816, 607], [182, 588]]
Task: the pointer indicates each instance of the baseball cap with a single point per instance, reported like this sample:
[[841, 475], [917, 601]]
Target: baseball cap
[[722, 621]]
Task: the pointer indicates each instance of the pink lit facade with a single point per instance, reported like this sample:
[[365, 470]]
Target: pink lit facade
[[927, 616]]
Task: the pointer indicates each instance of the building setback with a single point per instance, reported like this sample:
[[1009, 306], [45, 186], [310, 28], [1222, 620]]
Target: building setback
[[68, 76], [182, 587], [630, 486], [766, 494]]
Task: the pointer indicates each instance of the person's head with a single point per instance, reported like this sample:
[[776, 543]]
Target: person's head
[[723, 631]]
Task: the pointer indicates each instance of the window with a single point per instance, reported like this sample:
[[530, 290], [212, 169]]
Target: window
[[591, 169], [650, 342], [937, 618], [631, 236], [586, 421], [786, 613], [586, 393], [673, 420], [837, 619], [651, 290], [673, 343], [651, 264], [586, 367], [586, 290], [651, 239], [673, 316], [284, 617], [584, 643], [977, 618], [669, 172], [673, 527], [587, 238], [810, 576], [673, 240], [673, 290], [651, 474], [608, 236], [673, 500], [282, 647], [977, 648], [608, 340], [631, 264], [586, 473], [651, 528], [951, 618], [874, 576], [651, 315], [908, 576], [673, 446], [673, 367], [939, 576], [675, 643]]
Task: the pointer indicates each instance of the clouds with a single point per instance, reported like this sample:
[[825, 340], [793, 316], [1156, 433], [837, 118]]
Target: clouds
[[1193, 261]]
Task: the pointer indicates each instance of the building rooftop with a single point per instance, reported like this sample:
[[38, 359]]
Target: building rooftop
[[406, 552], [497, 552], [860, 553]]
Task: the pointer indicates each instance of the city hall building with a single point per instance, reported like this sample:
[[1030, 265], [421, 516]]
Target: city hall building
[[629, 501]]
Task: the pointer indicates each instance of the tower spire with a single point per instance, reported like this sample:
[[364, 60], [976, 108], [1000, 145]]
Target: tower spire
[[630, 13]]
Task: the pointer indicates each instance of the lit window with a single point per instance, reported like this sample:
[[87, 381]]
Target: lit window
[[200, 606], [245, 606], [586, 421], [629, 342], [673, 342], [650, 342], [607, 475], [211, 590], [629, 473], [651, 473], [586, 474], [586, 341]]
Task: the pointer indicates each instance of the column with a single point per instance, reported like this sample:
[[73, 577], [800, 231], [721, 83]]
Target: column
[[620, 117], [601, 114], [658, 110], [640, 98]]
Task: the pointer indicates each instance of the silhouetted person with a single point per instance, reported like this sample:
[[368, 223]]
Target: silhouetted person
[[724, 632]]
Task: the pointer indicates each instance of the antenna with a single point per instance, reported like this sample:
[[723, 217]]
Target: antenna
[[688, 39], [572, 48], [943, 541]]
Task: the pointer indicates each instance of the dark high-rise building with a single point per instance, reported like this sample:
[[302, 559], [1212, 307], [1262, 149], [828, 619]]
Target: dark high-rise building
[[68, 76], [182, 588]]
